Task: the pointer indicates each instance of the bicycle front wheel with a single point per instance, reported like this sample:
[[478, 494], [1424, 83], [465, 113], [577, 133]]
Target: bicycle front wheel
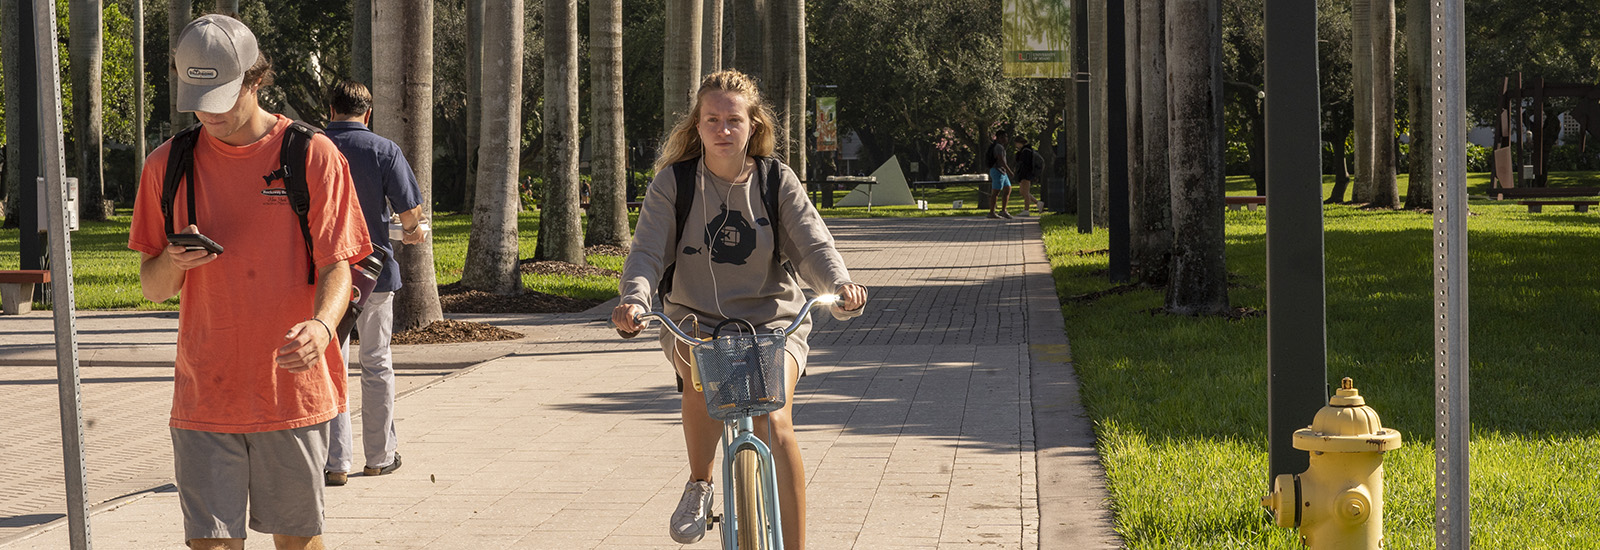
[[750, 517]]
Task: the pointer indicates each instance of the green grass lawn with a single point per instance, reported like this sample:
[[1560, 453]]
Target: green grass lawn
[[1179, 405], [106, 273], [1477, 183]]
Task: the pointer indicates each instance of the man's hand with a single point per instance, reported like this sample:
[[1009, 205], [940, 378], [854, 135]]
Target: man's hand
[[184, 259], [304, 347], [852, 296], [623, 317]]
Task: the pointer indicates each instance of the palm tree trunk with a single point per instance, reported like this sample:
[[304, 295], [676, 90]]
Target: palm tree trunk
[[1419, 75], [797, 88], [680, 64], [492, 246], [1199, 283], [361, 42], [775, 69], [1098, 106], [179, 13], [474, 99], [139, 122], [403, 91], [1153, 232], [1361, 83], [1384, 191], [711, 37], [1135, 142], [560, 219], [85, 50], [608, 200]]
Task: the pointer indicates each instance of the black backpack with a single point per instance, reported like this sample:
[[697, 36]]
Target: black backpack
[[291, 169], [683, 172]]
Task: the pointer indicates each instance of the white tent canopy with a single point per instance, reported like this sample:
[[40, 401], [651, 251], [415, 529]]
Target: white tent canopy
[[891, 188]]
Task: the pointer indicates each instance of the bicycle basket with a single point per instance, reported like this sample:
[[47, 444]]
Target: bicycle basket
[[742, 375]]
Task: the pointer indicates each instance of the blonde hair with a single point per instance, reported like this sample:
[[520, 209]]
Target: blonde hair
[[684, 141]]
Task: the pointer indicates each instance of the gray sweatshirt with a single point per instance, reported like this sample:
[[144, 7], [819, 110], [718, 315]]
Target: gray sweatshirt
[[732, 274]]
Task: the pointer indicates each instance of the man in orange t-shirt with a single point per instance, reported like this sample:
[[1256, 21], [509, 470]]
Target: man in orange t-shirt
[[259, 373]]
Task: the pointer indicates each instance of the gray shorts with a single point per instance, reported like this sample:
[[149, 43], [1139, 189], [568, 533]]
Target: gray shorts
[[278, 473]]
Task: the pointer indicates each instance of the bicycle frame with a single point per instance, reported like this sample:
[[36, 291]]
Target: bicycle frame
[[740, 434]]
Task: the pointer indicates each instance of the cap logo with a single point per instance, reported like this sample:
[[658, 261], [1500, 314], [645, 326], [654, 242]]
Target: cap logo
[[202, 73]]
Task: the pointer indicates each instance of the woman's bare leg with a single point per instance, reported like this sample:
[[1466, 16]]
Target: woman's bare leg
[[700, 432]]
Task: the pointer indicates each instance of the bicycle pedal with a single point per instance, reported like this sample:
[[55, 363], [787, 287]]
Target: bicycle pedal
[[712, 521]]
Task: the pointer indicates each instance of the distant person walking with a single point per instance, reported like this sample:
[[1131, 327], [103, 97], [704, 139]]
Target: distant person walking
[[1029, 164], [999, 175], [258, 374], [386, 187]]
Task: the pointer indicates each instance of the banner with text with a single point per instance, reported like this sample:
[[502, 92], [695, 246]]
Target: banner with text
[[1036, 35]]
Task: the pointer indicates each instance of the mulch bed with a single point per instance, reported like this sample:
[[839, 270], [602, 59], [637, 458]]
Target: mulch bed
[[454, 298], [549, 267], [450, 332]]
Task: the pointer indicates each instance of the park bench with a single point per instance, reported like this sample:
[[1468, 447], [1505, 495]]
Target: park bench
[[16, 289], [980, 180], [1535, 207], [1514, 193], [634, 206], [1236, 202]]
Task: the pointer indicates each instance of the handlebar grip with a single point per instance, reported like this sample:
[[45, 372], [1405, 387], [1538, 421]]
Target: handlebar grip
[[626, 335]]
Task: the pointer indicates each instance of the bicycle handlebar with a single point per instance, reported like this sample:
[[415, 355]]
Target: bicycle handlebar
[[677, 331]]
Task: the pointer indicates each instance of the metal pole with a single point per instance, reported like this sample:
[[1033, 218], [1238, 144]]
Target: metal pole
[[140, 143], [1297, 361], [1452, 424], [1080, 59], [1121, 265], [54, 172]]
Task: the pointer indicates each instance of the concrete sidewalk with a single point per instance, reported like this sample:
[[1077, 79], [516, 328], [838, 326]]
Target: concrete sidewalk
[[946, 417]]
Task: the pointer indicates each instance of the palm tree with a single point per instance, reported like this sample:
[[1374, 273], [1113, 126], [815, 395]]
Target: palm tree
[[560, 222], [711, 37], [1098, 137], [403, 90], [1418, 77], [1361, 77], [608, 200], [139, 122], [1152, 234], [747, 37], [85, 49], [179, 13], [1199, 284], [361, 41], [474, 98], [1135, 126], [1384, 192], [492, 246], [797, 87], [680, 64]]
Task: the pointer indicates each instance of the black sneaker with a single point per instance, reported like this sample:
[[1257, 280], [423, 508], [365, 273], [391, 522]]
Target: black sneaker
[[371, 471]]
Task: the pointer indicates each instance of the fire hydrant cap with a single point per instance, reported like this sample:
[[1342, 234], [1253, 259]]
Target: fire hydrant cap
[[1346, 425]]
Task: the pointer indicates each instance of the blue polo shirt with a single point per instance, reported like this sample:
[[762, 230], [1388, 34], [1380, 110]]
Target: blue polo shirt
[[383, 180]]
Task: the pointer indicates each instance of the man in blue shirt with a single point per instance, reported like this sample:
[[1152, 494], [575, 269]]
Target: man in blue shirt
[[384, 185]]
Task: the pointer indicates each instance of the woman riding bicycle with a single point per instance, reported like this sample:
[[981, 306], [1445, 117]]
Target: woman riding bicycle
[[725, 266]]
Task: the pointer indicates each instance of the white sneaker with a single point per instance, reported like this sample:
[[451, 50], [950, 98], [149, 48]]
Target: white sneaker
[[689, 521]]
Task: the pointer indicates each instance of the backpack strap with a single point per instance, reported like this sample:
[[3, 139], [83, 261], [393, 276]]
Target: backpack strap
[[292, 158], [180, 166], [771, 173], [683, 174]]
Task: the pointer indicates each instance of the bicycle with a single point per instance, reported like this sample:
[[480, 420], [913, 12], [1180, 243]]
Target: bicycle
[[742, 376]]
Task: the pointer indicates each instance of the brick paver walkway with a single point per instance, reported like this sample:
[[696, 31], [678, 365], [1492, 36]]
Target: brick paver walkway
[[943, 418]]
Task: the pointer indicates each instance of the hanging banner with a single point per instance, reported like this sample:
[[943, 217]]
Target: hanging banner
[[827, 124], [1036, 35]]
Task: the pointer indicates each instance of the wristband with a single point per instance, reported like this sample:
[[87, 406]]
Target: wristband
[[324, 327]]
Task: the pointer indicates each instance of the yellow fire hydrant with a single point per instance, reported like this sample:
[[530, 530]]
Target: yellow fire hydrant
[[1338, 501]]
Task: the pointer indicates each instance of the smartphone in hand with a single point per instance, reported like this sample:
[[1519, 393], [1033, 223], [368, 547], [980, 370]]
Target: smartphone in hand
[[194, 241]]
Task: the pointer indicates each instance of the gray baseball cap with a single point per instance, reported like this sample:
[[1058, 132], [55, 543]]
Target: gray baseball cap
[[212, 56]]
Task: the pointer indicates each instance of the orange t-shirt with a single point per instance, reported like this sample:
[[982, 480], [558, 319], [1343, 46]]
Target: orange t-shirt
[[235, 311]]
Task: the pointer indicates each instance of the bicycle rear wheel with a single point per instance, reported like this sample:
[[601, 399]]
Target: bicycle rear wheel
[[751, 523]]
